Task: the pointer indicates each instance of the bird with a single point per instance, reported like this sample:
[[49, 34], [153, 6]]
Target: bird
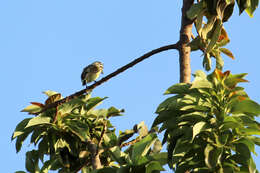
[[91, 72]]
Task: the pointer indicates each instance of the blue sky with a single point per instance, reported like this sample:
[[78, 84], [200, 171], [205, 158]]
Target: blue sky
[[44, 45]]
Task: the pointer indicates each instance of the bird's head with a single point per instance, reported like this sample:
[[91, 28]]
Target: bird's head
[[98, 64]]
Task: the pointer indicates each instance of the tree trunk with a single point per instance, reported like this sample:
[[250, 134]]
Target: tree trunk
[[184, 50]]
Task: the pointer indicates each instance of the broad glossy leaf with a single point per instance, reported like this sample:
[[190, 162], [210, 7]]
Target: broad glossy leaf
[[212, 156], [79, 129], [249, 143], [50, 93], [153, 166], [252, 7], [67, 107], [228, 11], [20, 139], [160, 157], [32, 109], [243, 4], [39, 120], [179, 88], [208, 27], [31, 163], [204, 83], [243, 150], [198, 127], [19, 130], [142, 147], [195, 10], [246, 106], [113, 112], [227, 52], [93, 102], [215, 36], [171, 103], [163, 116]]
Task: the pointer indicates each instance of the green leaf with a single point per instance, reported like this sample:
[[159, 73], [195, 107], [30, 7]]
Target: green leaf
[[246, 106], [179, 88], [98, 113], [203, 83], [113, 112], [93, 102], [228, 10], [32, 161], [243, 4], [195, 10], [198, 127], [171, 103], [32, 109], [227, 52], [67, 107], [142, 147], [19, 130], [153, 166], [219, 61], [206, 63], [39, 120], [252, 7], [212, 156], [49, 93], [20, 139], [243, 150], [249, 143], [79, 129], [215, 36], [163, 116], [208, 27]]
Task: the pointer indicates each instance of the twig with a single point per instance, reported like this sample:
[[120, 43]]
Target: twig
[[106, 78], [101, 137]]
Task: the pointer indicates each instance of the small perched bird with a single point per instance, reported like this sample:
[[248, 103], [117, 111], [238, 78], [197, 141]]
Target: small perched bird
[[91, 72]]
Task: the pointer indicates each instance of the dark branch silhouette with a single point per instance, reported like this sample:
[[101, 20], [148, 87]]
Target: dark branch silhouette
[[111, 75]]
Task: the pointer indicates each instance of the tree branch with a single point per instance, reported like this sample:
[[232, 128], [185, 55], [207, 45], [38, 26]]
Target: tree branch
[[111, 75]]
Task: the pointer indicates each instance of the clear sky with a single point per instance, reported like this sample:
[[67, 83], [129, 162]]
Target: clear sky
[[44, 45]]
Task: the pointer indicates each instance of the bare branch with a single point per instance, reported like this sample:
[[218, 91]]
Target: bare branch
[[111, 75]]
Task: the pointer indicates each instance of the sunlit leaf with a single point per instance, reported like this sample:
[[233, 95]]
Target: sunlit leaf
[[32, 109], [252, 7], [198, 127], [153, 166], [50, 93], [227, 52], [195, 10], [215, 36], [179, 88], [38, 121]]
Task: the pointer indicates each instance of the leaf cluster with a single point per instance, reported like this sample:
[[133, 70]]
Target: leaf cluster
[[211, 35], [64, 139], [210, 124]]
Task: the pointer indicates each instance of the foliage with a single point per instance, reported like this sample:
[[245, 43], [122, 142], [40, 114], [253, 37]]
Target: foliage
[[210, 124], [66, 133], [211, 34]]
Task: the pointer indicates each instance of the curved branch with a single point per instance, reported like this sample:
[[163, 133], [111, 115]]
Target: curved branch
[[106, 78]]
